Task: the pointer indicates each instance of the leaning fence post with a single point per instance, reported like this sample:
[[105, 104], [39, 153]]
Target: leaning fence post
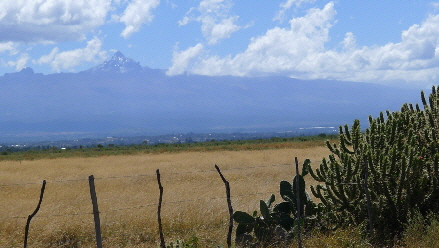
[[298, 203], [229, 203], [162, 238], [29, 218], [94, 201]]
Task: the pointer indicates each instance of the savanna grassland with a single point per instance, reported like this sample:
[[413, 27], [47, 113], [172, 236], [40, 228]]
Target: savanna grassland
[[194, 203]]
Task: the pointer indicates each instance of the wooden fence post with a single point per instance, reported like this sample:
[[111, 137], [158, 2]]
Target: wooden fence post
[[29, 218], [298, 203], [159, 218], [94, 201], [229, 203]]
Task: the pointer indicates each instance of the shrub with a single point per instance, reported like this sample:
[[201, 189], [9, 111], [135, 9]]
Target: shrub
[[400, 155]]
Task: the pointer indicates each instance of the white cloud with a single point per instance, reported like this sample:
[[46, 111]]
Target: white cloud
[[216, 21], [183, 21], [349, 41], [186, 19], [213, 6], [299, 51], [10, 47], [20, 63], [435, 5], [50, 20], [47, 59], [137, 13], [280, 16], [181, 60], [414, 59], [215, 30], [69, 59], [279, 50]]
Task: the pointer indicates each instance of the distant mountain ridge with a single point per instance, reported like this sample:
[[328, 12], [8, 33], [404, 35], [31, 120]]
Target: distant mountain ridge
[[27, 71], [120, 97]]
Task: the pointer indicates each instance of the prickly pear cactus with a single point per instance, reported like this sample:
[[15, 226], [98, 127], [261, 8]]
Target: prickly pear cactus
[[277, 223], [400, 153]]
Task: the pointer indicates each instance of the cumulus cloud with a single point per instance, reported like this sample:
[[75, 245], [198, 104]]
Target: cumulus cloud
[[10, 47], [279, 49], [20, 63], [216, 21], [70, 59], [50, 20], [137, 13], [414, 59], [181, 60], [299, 51], [183, 21], [217, 30], [280, 16], [349, 41]]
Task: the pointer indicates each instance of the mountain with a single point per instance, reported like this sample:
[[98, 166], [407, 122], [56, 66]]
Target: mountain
[[118, 63], [119, 97]]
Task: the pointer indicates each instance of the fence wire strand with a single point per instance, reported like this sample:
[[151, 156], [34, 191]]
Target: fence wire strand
[[136, 207], [141, 206], [140, 175], [143, 175]]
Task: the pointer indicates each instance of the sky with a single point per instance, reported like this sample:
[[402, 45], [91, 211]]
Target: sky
[[388, 42]]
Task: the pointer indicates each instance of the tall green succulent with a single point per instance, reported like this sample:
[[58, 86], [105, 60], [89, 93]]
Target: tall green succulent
[[400, 152]]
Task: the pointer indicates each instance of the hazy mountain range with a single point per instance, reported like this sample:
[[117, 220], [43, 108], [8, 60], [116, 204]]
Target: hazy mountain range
[[120, 97]]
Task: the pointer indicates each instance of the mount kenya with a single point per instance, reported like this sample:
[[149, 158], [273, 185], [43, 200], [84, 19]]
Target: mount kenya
[[120, 97]]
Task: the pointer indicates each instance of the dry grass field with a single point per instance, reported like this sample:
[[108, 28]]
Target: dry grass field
[[194, 201]]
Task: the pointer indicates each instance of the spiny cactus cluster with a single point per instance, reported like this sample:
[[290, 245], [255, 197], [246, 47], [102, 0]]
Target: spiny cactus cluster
[[278, 223], [400, 152]]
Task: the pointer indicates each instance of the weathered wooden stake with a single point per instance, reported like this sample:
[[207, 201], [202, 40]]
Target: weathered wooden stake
[[229, 202], [94, 201], [298, 203], [29, 218], [366, 190], [162, 238]]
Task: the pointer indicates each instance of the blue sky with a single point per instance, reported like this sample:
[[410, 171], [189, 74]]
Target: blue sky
[[387, 42]]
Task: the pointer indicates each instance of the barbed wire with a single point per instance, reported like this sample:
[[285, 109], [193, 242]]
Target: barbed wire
[[183, 201], [136, 207], [146, 205], [55, 181], [143, 175]]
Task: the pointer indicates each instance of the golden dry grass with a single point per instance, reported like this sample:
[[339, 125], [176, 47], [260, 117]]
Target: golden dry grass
[[194, 202]]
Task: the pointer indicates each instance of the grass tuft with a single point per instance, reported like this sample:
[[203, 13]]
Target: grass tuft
[[341, 238], [422, 232]]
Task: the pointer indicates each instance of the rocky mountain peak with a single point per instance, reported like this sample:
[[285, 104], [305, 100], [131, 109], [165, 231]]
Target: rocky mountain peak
[[118, 63], [118, 56]]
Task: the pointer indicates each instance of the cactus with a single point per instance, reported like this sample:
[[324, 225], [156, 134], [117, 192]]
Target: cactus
[[277, 223], [400, 150]]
